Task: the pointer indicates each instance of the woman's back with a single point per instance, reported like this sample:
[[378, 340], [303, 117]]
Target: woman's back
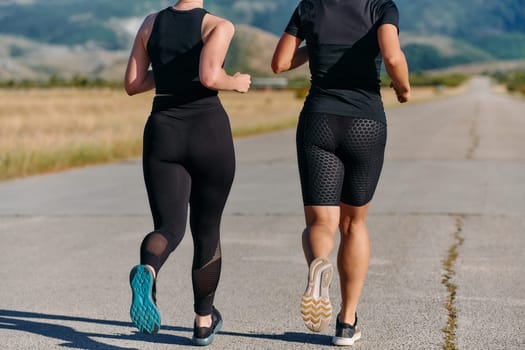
[[344, 53], [174, 47]]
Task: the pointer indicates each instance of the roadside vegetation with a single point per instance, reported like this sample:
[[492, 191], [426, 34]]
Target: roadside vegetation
[[50, 129], [58, 124], [514, 81], [447, 80], [55, 81], [295, 83]]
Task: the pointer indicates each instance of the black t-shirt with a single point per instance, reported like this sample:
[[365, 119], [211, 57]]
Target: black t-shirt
[[344, 55]]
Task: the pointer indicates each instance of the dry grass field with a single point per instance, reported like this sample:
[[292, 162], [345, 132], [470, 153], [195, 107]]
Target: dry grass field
[[43, 130]]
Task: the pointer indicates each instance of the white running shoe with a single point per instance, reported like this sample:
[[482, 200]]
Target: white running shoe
[[316, 308]]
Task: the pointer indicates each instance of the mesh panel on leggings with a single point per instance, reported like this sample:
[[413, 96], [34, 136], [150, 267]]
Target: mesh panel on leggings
[[155, 249], [205, 281], [340, 158]]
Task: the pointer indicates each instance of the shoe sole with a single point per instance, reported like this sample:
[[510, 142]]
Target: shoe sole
[[316, 308], [340, 341], [143, 311], [208, 340]]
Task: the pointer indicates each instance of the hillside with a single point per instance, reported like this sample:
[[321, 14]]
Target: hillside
[[483, 31], [20, 58], [77, 22], [92, 37], [497, 27]]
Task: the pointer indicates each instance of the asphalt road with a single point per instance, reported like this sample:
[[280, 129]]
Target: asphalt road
[[447, 230]]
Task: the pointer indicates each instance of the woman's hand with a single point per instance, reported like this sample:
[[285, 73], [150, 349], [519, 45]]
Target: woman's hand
[[403, 95], [242, 81]]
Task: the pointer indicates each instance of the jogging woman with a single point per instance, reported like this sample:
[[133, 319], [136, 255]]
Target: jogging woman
[[341, 138], [188, 155]]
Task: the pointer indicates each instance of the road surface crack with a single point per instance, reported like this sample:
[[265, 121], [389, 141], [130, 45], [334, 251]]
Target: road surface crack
[[474, 134], [449, 272]]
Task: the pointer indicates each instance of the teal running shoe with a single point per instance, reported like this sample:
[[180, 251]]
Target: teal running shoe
[[143, 311]]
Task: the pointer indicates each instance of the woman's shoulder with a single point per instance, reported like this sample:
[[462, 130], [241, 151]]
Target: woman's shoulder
[[150, 19], [212, 23], [147, 25], [216, 21]]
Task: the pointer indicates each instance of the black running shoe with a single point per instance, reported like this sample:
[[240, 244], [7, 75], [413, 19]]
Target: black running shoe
[[203, 336], [345, 333]]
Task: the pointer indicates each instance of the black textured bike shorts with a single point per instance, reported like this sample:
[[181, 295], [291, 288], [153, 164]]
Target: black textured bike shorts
[[340, 158]]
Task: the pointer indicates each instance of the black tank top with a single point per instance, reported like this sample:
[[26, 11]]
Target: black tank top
[[174, 47]]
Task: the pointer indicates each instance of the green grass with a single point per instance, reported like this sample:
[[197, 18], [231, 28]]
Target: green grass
[[25, 163], [447, 80], [514, 81]]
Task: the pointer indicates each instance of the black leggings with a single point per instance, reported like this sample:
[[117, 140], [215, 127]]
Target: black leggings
[[340, 158], [188, 158]]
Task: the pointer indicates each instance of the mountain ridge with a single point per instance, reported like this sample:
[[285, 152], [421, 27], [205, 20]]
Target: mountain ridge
[[434, 34]]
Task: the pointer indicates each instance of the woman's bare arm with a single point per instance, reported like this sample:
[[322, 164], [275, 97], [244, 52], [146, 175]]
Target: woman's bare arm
[[216, 43], [395, 61], [288, 55], [138, 77]]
